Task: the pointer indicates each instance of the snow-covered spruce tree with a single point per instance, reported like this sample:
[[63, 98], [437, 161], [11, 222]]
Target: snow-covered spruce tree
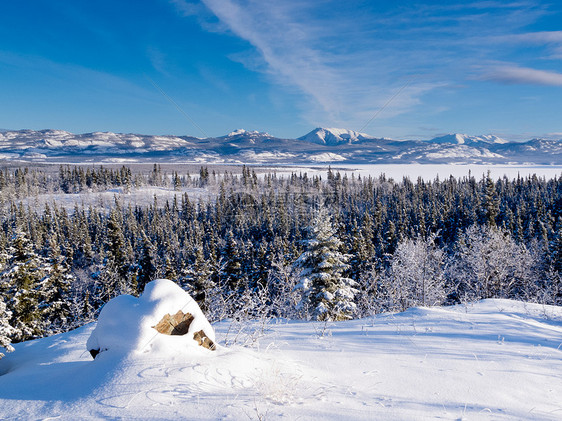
[[200, 278], [490, 202], [416, 274], [54, 293], [326, 293], [117, 276], [21, 281], [6, 331], [146, 263]]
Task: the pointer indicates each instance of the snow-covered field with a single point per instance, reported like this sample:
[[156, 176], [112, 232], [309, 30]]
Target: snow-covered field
[[495, 359], [428, 172], [142, 196]]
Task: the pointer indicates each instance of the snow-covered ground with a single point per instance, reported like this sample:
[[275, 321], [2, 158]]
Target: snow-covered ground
[[496, 359], [142, 196], [429, 172]]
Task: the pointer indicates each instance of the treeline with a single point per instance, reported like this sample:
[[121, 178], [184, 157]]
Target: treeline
[[240, 250], [25, 182]]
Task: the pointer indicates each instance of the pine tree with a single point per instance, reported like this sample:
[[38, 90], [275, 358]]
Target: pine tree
[[490, 202], [326, 292], [21, 280], [170, 269], [147, 267], [200, 278], [232, 256], [6, 331], [116, 276], [54, 293], [556, 248]]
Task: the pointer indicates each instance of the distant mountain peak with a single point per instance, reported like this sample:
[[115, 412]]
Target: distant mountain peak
[[251, 133], [463, 139], [334, 136], [237, 132]]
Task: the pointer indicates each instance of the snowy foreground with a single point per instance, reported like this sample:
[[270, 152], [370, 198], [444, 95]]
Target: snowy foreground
[[496, 359]]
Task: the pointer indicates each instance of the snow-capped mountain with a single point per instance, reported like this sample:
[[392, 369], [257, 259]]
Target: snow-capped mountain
[[321, 145], [246, 136], [59, 140], [333, 136], [463, 139]]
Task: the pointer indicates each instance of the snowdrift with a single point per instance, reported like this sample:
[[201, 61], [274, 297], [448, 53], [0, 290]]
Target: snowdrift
[[495, 359]]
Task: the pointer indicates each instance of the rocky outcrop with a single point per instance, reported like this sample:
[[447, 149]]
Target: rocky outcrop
[[178, 324]]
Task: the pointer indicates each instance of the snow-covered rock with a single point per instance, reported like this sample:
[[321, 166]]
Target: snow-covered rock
[[127, 324]]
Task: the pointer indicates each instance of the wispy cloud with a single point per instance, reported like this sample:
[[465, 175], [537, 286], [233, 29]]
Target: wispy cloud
[[523, 76], [542, 37], [157, 60], [328, 59], [197, 9], [550, 40], [348, 61], [287, 50]]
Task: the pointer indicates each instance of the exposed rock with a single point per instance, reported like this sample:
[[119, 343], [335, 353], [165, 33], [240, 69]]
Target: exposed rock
[[203, 340], [96, 351], [178, 324]]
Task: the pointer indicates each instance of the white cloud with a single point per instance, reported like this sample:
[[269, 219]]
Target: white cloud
[[284, 45], [328, 59], [541, 37], [187, 8], [157, 59], [551, 40], [523, 75]]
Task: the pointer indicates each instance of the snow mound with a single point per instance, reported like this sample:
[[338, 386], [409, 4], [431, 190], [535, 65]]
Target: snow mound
[[127, 324]]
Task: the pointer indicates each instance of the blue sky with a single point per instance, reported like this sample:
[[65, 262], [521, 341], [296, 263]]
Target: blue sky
[[283, 67]]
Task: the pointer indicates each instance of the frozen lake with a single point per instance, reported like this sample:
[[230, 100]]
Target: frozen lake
[[430, 171]]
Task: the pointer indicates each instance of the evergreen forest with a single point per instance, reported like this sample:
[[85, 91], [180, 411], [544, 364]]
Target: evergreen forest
[[248, 245]]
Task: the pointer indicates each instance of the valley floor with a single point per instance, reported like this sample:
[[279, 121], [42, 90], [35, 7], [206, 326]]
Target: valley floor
[[495, 359]]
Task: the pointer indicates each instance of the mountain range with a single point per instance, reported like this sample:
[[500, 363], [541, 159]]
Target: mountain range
[[321, 145]]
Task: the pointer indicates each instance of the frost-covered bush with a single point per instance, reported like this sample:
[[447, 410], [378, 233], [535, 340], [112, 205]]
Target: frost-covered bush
[[415, 276], [488, 263]]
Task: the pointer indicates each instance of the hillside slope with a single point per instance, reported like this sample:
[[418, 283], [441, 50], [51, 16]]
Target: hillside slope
[[496, 359]]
